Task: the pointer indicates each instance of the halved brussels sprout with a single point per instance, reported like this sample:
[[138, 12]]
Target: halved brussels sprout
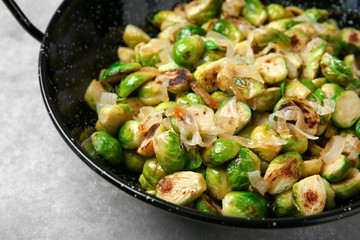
[[134, 35], [181, 188], [166, 16], [212, 55], [330, 196], [310, 195], [347, 110], [232, 7], [134, 103], [348, 187], [208, 205], [350, 40], [145, 184], [283, 172], [170, 152], [146, 147], [153, 172], [132, 82], [255, 12], [282, 24], [316, 14], [244, 205], [89, 148], [206, 74], [179, 80], [294, 88], [151, 93], [187, 51], [318, 82], [337, 170], [313, 62], [272, 68], [311, 167], [188, 98], [221, 151], [283, 203], [189, 30], [201, 11], [276, 11], [267, 100], [217, 182], [148, 55], [126, 55], [133, 161], [329, 90], [93, 93], [298, 38], [229, 30], [107, 147], [237, 169], [262, 133], [194, 158], [111, 117], [117, 71], [263, 36], [130, 134], [295, 142], [249, 87], [220, 96], [162, 107]]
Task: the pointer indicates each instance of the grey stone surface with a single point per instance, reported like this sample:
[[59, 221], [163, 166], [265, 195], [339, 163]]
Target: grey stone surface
[[46, 192]]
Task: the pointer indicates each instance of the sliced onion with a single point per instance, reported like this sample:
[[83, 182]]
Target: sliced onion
[[225, 82], [148, 117], [204, 95], [108, 98], [312, 45], [257, 182], [290, 113], [242, 71], [329, 106], [227, 117], [268, 48], [164, 80], [272, 143], [293, 128], [169, 32], [333, 149], [354, 145]]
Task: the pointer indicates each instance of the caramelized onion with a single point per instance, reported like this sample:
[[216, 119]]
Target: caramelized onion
[[225, 82], [204, 95], [333, 149]]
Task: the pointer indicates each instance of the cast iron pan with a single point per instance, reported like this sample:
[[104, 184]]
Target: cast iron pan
[[82, 38]]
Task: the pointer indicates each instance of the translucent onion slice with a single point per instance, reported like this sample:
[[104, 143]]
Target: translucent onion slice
[[257, 182], [148, 117], [272, 143], [108, 98], [268, 48], [355, 145], [204, 95], [290, 113], [169, 32], [329, 106], [164, 80], [293, 128], [222, 42], [224, 82], [333, 149]]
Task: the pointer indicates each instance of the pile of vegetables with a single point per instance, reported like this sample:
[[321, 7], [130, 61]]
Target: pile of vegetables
[[236, 108]]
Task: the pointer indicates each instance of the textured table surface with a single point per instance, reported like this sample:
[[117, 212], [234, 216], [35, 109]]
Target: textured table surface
[[46, 192]]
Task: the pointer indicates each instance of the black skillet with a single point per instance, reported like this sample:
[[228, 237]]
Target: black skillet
[[82, 38]]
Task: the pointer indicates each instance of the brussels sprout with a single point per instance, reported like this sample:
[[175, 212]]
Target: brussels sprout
[[232, 116], [348, 187], [255, 12], [314, 149], [166, 16], [330, 196], [93, 93], [311, 167], [336, 71], [249, 87], [206, 74], [220, 96], [350, 40], [244, 205], [337, 170], [169, 66], [347, 110], [282, 24], [188, 98], [212, 55], [111, 117], [217, 182], [283, 172], [145, 184], [208, 26], [134, 35], [188, 51], [318, 82], [146, 147], [133, 161], [181, 188], [295, 142], [315, 14], [194, 158], [189, 30], [311, 118], [232, 7], [283, 203], [313, 62], [275, 12], [148, 54], [262, 37], [220, 151], [117, 71], [170, 152], [153, 172], [126, 55], [130, 134], [237, 169], [309, 84], [107, 147], [132, 82], [89, 148], [179, 80], [208, 205], [272, 68], [201, 11], [267, 100], [298, 38], [294, 88], [151, 93], [331, 89], [310, 195], [162, 107], [134, 103], [229, 30], [350, 60], [262, 133]]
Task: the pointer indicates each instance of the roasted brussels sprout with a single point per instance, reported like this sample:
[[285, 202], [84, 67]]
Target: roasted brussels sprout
[[350, 40], [151, 93], [179, 80], [130, 134], [346, 111], [189, 98], [255, 12], [134, 35], [330, 196], [212, 55], [312, 63], [166, 18], [145, 184], [133, 81], [162, 107], [249, 87], [117, 71], [194, 158], [283, 203], [188, 51], [336, 170], [205, 76], [111, 117], [221, 151], [220, 96], [181, 188], [189, 30], [267, 100], [298, 38], [315, 14], [311, 167], [146, 147], [153, 172], [133, 161], [93, 93], [208, 205], [348, 187], [217, 182], [201, 11], [107, 147], [272, 68], [126, 55], [264, 36], [282, 24], [295, 142], [244, 205], [294, 88], [237, 169], [229, 30]]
